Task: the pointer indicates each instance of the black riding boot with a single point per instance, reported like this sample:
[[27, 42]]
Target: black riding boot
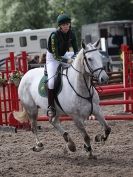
[[51, 112]]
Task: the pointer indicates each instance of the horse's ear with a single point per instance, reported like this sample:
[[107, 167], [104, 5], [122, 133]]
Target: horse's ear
[[83, 44], [96, 44]]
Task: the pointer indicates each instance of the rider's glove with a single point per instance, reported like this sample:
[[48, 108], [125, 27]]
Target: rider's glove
[[66, 60], [69, 61]]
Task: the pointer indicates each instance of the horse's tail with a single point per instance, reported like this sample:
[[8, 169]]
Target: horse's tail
[[21, 116]]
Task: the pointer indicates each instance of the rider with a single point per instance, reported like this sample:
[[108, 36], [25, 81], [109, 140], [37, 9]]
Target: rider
[[59, 44]]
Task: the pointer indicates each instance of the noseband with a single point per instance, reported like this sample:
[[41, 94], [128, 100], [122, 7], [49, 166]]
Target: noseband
[[89, 67]]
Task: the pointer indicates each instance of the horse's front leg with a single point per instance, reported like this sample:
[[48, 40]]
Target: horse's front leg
[[56, 123], [87, 146], [100, 117]]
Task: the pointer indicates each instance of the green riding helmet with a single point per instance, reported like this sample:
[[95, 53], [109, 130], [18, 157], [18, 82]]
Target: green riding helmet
[[63, 18]]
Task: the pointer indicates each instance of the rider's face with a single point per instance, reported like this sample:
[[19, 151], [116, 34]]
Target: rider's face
[[65, 27]]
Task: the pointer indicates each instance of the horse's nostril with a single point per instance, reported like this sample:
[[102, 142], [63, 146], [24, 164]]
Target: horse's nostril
[[102, 80]]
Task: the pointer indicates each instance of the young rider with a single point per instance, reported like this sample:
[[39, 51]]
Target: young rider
[[58, 51]]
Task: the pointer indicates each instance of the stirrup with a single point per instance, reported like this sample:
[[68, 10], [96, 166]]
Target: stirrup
[[51, 112]]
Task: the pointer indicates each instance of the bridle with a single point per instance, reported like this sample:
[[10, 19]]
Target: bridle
[[89, 67], [91, 74]]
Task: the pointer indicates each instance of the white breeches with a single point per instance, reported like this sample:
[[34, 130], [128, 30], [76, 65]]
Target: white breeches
[[52, 66]]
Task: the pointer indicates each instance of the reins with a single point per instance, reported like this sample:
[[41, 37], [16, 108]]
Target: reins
[[86, 98], [91, 74], [89, 98]]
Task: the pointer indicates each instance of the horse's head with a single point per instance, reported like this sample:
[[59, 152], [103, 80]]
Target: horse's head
[[92, 60]]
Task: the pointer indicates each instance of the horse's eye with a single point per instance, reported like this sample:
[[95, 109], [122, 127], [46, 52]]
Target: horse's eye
[[89, 59]]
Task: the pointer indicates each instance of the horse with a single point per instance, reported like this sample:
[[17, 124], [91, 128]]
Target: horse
[[78, 97]]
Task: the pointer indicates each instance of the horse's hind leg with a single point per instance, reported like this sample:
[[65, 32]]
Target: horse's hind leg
[[100, 117], [87, 146], [56, 123], [33, 114]]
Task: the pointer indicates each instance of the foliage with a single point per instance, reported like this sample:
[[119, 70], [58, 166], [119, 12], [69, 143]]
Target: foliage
[[15, 77], [22, 14]]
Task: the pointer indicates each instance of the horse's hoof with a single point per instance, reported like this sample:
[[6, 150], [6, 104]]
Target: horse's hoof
[[108, 131], [71, 146], [40, 145], [38, 148], [98, 138]]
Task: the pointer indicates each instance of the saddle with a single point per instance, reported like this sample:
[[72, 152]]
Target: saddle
[[43, 87]]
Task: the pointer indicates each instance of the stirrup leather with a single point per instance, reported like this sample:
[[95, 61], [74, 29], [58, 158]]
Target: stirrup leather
[[51, 112]]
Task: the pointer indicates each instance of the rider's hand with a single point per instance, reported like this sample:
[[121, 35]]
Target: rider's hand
[[69, 61]]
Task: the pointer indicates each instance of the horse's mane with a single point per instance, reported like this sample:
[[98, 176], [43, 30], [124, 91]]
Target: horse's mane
[[78, 62], [79, 58]]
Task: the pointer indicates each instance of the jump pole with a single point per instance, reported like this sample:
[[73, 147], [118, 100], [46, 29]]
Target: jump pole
[[107, 117]]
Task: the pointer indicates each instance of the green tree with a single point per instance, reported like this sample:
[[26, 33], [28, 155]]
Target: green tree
[[120, 10], [23, 14]]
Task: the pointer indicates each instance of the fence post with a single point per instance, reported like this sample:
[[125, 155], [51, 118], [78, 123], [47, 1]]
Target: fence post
[[125, 51], [1, 121], [24, 62]]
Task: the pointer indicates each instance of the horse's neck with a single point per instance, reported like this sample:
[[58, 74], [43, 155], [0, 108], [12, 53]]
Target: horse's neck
[[77, 80]]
